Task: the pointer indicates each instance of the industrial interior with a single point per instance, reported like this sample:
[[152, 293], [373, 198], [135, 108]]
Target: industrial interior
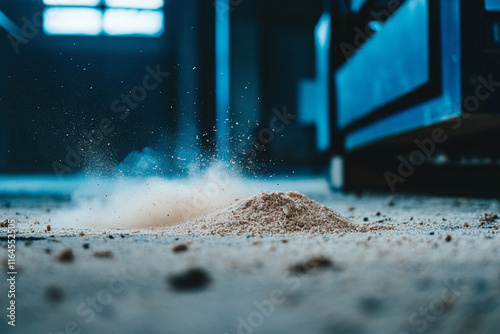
[[249, 166]]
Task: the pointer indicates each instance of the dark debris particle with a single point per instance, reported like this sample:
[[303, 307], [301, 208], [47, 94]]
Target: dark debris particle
[[378, 213], [27, 243], [86, 245], [54, 294], [180, 248], [432, 233], [122, 236], [365, 219], [48, 251], [191, 279], [104, 254], [284, 241], [66, 255], [176, 239], [110, 236], [448, 238], [370, 305], [313, 263]]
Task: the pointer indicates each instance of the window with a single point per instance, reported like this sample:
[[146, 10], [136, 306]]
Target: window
[[103, 17]]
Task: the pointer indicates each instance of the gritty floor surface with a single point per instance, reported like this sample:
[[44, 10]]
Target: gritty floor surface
[[437, 271]]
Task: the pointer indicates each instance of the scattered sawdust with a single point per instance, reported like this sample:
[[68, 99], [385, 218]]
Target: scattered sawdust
[[313, 263], [66, 255], [448, 238], [49, 228], [104, 254], [273, 213], [180, 248], [487, 218]]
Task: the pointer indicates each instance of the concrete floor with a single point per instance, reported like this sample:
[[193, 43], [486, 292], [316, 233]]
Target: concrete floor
[[430, 274]]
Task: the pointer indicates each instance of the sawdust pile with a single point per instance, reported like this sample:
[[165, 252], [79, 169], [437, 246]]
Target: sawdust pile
[[273, 213]]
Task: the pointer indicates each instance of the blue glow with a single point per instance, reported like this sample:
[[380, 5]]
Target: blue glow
[[313, 94], [10, 26], [492, 5], [374, 77], [222, 67], [447, 106], [132, 22], [307, 102], [322, 104], [375, 25], [72, 21], [357, 4], [140, 4], [90, 3]]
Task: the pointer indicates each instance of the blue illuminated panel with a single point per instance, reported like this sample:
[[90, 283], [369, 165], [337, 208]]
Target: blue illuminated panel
[[144, 4], [393, 63], [492, 5], [438, 109], [313, 98], [118, 18], [132, 22], [90, 3], [72, 21]]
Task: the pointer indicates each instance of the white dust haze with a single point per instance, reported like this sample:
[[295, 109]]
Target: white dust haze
[[142, 202]]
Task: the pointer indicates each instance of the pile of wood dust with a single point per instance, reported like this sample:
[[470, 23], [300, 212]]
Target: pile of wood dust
[[272, 213]]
